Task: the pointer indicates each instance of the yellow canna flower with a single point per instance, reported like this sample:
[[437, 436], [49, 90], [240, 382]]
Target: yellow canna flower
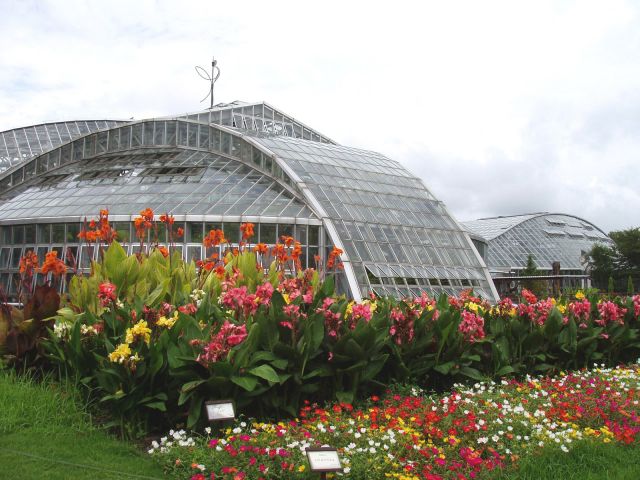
[[120, 354], [139, 330]]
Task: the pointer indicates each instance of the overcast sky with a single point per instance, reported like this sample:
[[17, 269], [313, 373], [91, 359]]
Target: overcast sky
[[501, 107]]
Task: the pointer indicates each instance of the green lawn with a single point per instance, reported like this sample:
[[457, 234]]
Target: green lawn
[[45, 435], [585, 461]]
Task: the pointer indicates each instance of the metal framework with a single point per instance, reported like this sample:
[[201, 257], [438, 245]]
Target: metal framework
[[249, 162]]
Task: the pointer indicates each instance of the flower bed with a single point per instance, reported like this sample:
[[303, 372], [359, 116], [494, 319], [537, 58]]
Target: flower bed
[[153, 336], [467, 433]]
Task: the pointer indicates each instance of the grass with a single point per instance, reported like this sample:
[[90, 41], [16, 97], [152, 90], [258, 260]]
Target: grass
[[585, 461], [45, 434]]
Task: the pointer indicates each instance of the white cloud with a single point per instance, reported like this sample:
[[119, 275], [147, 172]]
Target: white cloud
[[502, 107]]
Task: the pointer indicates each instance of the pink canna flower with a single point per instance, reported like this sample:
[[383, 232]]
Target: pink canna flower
[[471, 326]]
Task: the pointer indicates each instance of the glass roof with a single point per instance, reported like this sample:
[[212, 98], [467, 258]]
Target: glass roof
[[399, 238], [175, 181], [21, 144], [258, 117], [547, 237]]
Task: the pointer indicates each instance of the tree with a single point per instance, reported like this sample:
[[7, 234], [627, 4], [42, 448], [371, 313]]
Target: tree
[[538, 287], [620, 262], [628, 246]]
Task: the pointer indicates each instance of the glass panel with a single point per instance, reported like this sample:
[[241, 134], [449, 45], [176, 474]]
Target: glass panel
[[4, 257], [5, 235], [71, 256], [232, 232], [18, 234], [15, 257], [285, 231], [44, 233], [57, 233], [267, 233], [194, 253], [314, 234], [194, 232], [73, 229], [41, 254], [123, 231], [30, 233]]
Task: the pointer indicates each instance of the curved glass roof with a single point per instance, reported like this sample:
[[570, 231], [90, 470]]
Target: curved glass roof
[[21, 144], [548, 237], [397, 237], [176, 181]]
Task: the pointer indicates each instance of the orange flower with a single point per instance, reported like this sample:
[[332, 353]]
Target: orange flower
[[180, 232], [168, 219], [335, 254], [147, 214], [297, 251], [280, 252], [104, 212], [261, 248], [215, 237], [29, 262], [163, 250], [53, 264], [288, 241], [247, 230]]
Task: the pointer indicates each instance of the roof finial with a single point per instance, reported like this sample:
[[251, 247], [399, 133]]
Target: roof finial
[[215, 73]]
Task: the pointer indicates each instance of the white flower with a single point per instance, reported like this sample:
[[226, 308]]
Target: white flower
[[564, 448]]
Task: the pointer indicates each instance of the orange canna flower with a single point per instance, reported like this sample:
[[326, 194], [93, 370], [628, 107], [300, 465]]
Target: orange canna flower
[[163, 250], [53, 264], [247, 230], [147, 214], [297, 251], [215, 237], [29, 262], [261, 248], [333, 256], [288, 241], [168, 219]]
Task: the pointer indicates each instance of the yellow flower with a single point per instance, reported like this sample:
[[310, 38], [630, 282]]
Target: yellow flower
[[349, 309], [287, 300], [139, 330], [472, 306], [579, 295], [167, 322], [301, 468], [120, 354], [561, 308]]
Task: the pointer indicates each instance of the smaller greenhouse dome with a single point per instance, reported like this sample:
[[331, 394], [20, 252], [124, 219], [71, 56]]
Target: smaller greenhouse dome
[[548, 237]]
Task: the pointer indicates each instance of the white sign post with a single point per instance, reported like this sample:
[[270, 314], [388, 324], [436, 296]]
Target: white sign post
[[323, 460], [220, 410]]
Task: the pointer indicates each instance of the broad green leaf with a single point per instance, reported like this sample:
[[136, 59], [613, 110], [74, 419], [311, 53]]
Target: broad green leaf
[[266, 372]]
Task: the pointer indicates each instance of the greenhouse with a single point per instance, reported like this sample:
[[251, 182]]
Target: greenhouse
[[548, 237], [218, 168]]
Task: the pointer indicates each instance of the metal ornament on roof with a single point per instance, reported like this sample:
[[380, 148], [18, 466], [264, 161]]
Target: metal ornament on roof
[[215, 74]]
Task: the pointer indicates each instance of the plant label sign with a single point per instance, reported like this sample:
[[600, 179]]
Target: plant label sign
[[323, 459], [220, 410]]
